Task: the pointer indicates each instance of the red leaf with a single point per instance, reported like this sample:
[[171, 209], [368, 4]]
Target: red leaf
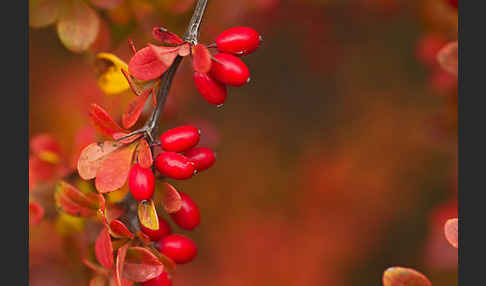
[[144, 154], [118, 228], [95, 267], [120, 262], [93, 155], [144, 238], [72, 201], [184, 50], [201, 58], [171, 199], [164, 36], [113, 171], [46, 147], [36, 213], [102, 121], [141, 265], [131, 115], [400, 276], [78, 26], [448, 57], [150, 63], [451, 231], [127, 140], [104, 249], [169, 264]]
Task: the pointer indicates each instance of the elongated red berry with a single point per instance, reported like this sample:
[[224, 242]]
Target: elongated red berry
[[179, 248], [163, 279], [174, 165], [141, 182], [180, 138], [188, 216], [164, 229], [238, 40], [213, 91], [229, 70], [202, 157]]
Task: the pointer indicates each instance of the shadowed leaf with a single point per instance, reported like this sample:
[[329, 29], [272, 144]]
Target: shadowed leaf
[[164, 36], [113, 171], [103, 122], [448, 57], [36, 213], [110, 77], [171, 199], [451, 231], [93, 155], [147, 215], [201, 58], [78, 26], [169, 264], [400, 276], [138, 86], [104, 249], [144, 154], [127, 140], [145, 239], [141, 265], [132, 113]]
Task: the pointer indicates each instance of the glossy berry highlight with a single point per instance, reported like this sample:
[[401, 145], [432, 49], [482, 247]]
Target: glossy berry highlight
[[238, 40], [177, 247], [202, 157], [213, 91], [229, 70], [141, 182], [174, 165], [188, 216], [180, 138], [163, 279], [164, 229]]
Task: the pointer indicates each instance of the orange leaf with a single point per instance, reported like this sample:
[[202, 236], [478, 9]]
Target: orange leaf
[[141, 265], [451, 231], [98, 280], [36, 213], [131, 115], [118, 228], [104, 249], [400, 276], [171, 199], [201, 58], [72, 201], [120, 262], [147, 215], [144, 154], [113, 171], [43, 12], [95, 267], [448, 57], [103, 122], [92, 156], [106, 4], [78, 26], [164, 36]]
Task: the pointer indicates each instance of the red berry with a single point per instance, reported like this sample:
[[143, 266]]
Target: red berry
[[238, 40], [174, 165], [202, 157], [163, 279], [164, 229], [229, 70], [180, 138], [188, 216], [141, 182], [177, 247], [213, 91]]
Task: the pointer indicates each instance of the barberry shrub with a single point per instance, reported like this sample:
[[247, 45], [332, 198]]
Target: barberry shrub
[[135, 171]]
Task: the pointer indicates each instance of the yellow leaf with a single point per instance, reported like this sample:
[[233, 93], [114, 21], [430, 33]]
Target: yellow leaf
[[111, 80], [147, 215]]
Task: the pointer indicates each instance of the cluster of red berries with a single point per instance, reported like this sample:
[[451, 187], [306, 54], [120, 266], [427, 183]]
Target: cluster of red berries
[[226, 67], [180, 159]]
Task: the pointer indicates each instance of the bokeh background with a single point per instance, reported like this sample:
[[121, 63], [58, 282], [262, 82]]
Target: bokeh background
[[336, 161]]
